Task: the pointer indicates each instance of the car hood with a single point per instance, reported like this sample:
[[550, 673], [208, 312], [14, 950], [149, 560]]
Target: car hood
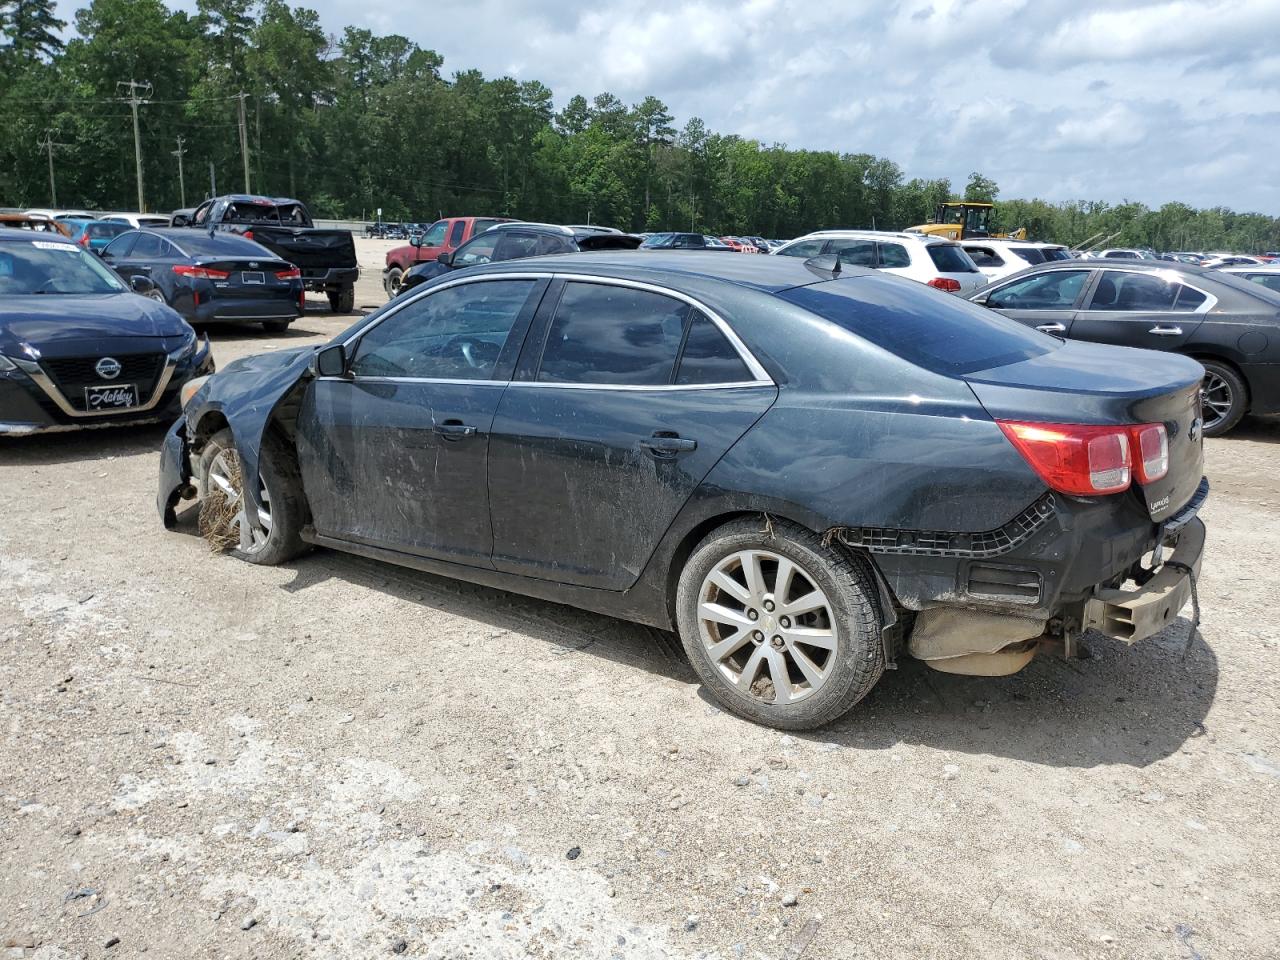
[[44, 320], [269, 362]]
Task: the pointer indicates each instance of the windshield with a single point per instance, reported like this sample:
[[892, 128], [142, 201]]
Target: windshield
[[43, 267], [939, 332], [248, 211], [658, 240]]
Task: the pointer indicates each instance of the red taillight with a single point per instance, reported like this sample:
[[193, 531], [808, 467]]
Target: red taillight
[[1074, 458], [200, 273], [946, 284], [248, 234], [1151, 441], [293, 273], [84, 240]]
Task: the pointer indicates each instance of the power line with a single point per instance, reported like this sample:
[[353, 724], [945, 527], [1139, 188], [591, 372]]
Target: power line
[[134, 100]]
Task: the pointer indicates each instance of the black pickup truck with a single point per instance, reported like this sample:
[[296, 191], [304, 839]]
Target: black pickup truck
[[327, 258]]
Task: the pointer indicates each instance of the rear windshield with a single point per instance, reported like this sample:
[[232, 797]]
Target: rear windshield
[[1056, 253], [933, 330], [1033, 255], [246, 211], [951, 258], [200, 244]]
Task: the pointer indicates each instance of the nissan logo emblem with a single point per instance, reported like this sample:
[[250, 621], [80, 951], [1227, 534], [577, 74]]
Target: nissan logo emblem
[[108, 368]]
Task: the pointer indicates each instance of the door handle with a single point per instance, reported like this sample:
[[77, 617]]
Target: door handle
[[1051, 328], [1160, 331], [455, 429], [667, 446]]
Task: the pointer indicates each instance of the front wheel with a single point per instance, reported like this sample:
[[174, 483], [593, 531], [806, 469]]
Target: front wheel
[[781, 629], [392, 283], [1223, 397], [221, 488]]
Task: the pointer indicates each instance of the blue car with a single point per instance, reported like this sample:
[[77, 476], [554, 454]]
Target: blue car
[[95, 234], [78, 348]]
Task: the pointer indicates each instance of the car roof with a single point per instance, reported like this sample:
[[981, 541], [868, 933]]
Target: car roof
[[1249, 268], [768, 274], [254, 198], [872, 235], [31, 236]]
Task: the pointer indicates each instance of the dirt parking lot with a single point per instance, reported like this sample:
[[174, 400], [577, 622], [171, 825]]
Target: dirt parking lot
[[336, 758]]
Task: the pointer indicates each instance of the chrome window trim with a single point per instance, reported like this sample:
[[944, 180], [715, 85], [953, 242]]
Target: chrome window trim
[[756, 369], [655, 387], [1169, 276], [45, 383]]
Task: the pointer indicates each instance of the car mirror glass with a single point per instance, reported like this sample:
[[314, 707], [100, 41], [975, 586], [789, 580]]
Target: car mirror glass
[[330, 361], [179, 220], [141, 284], [445, 259]]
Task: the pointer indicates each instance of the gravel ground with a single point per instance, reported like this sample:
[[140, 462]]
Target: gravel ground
[[336, 758]]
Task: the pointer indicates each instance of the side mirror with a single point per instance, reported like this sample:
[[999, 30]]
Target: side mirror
[[415, 240], [445, 259], [980, 301], [179, 220], [330, 361], [140, 284]]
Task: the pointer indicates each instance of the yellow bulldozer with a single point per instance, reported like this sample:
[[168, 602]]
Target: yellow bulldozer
[[965, 220]]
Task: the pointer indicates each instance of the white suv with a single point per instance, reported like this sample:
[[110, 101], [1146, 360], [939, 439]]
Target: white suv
[[999, 258], [940, 263]]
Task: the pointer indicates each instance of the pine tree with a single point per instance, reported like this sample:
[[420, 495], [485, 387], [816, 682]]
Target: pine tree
[[30, 28]]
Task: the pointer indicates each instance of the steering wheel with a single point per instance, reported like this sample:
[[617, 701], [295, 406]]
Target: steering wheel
[[479, 354]]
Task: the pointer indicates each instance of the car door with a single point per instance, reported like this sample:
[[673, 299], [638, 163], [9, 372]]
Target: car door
[[394, 453], [116, 253], [1140, 309], [622, 404], [1046, 301]]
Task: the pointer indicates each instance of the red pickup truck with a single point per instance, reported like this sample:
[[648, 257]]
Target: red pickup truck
[[447, 234]]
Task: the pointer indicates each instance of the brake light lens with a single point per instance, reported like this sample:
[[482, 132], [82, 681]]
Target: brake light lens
[[1151, 441], [1073, 458], [291, 274], [200, 273], [946, 284], [84, 240], [248, 234]]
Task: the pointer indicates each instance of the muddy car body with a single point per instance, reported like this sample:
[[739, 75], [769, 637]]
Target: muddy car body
[[806, 471]]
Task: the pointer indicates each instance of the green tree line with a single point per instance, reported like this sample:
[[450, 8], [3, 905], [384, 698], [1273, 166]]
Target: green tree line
[[355, 122]]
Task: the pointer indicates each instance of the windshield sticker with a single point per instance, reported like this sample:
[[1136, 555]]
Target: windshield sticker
[[46, 245]]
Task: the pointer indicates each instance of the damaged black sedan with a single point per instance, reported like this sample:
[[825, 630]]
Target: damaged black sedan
[[806, 472]]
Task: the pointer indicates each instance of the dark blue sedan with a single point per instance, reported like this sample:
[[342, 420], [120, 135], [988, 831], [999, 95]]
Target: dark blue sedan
[[219, 277], [78, 348], [805, 469]]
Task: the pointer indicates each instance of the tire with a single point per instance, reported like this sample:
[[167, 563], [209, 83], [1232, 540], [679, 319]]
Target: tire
[[849, 621], [1224, 396], [343, 299], [276, 326], [156, 294], [392, 282], [279, 474]]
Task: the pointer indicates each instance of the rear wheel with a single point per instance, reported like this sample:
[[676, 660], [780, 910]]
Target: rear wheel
[[342, 299], [221, 487], [276, 326], [1224, 397], [781, 629]]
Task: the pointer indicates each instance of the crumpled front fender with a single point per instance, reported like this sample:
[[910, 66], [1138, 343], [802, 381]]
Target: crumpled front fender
[[175, 472]]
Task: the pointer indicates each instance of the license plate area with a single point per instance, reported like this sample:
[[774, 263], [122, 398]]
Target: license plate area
[[112, 396], [248, 278]]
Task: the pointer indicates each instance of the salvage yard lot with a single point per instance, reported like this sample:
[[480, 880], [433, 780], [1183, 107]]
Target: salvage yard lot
[[337, 758]]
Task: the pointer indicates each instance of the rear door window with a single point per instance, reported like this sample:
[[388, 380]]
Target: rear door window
[[805, 248], [120, 247], [893, 256], [1119, 291], [147, 247], [950, 258], [604, 334], [708, 356], [1056, 290], [984, 256]]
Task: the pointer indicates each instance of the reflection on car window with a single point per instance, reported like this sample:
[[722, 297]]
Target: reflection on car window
[[454, 334], [435, 236], [613, 335], [984, 256], [476, 251], [708, 356], [894, 256], [1123, 292], [1056, 290], [148, 245], [1269, 280], [47, 268], [805, 249], [855, 253], [120, 246]]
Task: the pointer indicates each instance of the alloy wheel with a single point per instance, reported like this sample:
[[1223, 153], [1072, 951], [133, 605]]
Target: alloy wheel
[[1216, 399], [225, 475], [767, 626]]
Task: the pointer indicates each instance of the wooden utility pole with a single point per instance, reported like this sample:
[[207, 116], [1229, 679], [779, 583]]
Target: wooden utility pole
[[48, 145], [244, 141], [182, 184], [135, 88]]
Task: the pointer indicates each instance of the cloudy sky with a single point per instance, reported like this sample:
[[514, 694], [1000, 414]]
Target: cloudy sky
[[1151, 100]]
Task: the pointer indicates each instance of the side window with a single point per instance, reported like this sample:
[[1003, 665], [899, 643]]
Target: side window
[[549, 244], [1187, 299], [120, 246], [894, 255], [456, 232], [613, 335], [148, 246], [856, 253], [1135, 292], [202, 215], [984, 256], [476, 251], [709, 357], [453, 334], [805, 248], [1056, 290], [514, 245], [434, 237], [1269, 280]]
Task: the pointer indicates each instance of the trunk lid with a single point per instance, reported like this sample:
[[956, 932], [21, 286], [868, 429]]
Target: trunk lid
[[307, 246], [1100, 384]]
